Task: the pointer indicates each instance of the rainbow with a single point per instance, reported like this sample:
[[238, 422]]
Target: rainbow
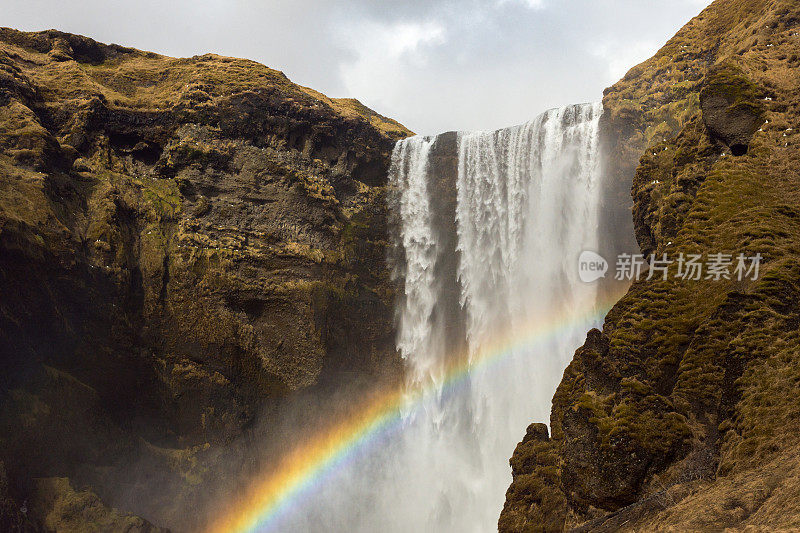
[[308, 465]]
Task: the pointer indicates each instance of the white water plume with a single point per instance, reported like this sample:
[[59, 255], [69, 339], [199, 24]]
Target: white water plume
[[490, 248]]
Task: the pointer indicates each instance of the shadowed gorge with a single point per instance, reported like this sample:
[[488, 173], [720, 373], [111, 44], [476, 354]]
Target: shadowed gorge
[[428, 455]]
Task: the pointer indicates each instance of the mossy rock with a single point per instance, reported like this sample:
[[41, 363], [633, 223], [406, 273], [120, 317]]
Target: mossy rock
[[731, 106]]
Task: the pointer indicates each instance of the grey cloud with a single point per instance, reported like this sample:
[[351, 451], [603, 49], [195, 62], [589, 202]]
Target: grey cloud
[[433, 65]]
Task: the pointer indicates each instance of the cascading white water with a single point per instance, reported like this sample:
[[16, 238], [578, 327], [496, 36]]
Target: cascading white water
[[417, 334], [526, 205]]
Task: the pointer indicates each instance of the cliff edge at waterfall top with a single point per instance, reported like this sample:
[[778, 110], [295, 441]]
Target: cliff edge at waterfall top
[[682, 414]]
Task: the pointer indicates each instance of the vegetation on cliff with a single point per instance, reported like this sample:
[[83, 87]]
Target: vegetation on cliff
[[682, 414], [183, 243]]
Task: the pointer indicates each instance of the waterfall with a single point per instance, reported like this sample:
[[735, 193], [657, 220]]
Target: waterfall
[[489, 226]]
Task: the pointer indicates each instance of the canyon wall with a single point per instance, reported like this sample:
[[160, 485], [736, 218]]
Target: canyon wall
[[683, 412], [185, 244]]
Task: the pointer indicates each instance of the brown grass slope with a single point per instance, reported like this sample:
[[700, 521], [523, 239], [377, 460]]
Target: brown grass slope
[[184, 243], [683, 414]]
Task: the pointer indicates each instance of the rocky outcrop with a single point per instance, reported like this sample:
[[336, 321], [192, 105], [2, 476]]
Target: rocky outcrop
[[68, 510], [534, 500], [730, 107], [184, 243], [682, 413]]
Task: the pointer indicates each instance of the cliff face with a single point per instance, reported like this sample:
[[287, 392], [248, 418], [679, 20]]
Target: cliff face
[[683, 412], [184, 243]]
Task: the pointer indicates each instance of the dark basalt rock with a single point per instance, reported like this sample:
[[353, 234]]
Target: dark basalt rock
[[731, 108]]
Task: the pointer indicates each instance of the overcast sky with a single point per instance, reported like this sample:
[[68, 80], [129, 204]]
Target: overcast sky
[[433, 65]]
